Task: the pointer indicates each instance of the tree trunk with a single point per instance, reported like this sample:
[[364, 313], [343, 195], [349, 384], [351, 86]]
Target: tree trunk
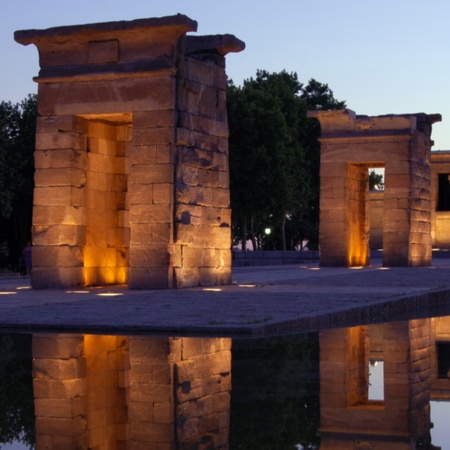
[[244, 234], [283, 233], [252, 236]]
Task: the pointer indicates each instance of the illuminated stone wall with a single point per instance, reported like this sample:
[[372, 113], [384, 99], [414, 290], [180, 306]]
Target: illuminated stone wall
[[440, 209], [131, 155], [399, 143], [440, 214]]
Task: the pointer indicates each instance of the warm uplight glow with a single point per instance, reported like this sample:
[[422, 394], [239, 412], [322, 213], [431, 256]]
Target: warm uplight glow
[[7, 293], [247, 285], [384, 268], [314, 268], [212, 289], [356, 268], [110, 294], [20, 288], [77, 292]]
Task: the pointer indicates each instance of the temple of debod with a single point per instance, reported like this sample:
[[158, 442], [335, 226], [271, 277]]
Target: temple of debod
[[132, 174], [350, 145], [132, 180]]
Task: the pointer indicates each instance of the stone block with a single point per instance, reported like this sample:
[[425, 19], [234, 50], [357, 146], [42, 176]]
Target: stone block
[[162, 193], [45, 388], [64, 347], [57, 256], [150, 433], [149, 255], [194, 157], [145, 94], [58, 140], [70, 235], [55, 426], [221, 198], [151, 173], [150, 393], [149, 277], [56, 278], [186, 277], [54, 195], [149, 214], [141, 194], [149, 349], [163, 413], [192, 257], [165, 154], [66, 215], [42, 159], [146, 154], [155, 119], [153, 136], [141, 412], [53, 407]]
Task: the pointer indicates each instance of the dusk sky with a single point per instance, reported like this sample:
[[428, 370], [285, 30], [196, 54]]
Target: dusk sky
[[383, 57]]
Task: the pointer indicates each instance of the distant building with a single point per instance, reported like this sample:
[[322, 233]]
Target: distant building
[[440, 205]]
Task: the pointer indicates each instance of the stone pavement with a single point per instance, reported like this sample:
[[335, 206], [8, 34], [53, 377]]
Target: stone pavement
[[264, 300]]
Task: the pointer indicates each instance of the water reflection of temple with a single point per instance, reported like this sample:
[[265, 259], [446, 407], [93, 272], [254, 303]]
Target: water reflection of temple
[[115, 392], [400, 419]]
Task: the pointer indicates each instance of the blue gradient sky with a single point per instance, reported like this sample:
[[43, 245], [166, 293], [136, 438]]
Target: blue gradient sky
[[381, 57]]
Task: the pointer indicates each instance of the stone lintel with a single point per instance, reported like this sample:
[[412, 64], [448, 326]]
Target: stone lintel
[[440, 156], [104, 30], [346, 124], [111, 50], [364, 136], [221, 43], [135, 69]]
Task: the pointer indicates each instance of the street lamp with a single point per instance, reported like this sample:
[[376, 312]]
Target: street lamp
[[267, 231]]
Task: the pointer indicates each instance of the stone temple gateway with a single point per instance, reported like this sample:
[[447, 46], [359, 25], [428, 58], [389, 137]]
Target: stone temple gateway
[[350, 145], [132, 180]]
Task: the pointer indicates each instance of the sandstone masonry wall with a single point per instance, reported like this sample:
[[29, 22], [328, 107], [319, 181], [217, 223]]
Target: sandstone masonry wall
[[132, 182]]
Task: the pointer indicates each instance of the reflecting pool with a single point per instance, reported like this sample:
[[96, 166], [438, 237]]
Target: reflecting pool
[[376, 386]]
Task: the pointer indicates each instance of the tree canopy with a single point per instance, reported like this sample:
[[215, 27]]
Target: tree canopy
[[274, 158], [17, 143]]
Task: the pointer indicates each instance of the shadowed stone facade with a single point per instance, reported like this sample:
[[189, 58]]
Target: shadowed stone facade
[[350, 145], [440, 204], [132, 180]]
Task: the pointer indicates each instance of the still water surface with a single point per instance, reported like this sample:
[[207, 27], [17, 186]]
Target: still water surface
[[378, 386]]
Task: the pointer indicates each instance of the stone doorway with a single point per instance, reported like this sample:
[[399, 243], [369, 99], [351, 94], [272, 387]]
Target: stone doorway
[[106, 251], [132, 181], [350, 144]]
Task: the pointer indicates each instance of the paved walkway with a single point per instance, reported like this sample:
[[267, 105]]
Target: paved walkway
[[262, 301]]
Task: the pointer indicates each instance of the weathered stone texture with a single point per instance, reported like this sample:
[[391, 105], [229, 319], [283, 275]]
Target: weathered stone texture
[[132, 132], [352, 144]]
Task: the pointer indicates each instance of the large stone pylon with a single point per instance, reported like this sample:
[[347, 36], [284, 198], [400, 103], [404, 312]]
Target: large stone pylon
[[350, 145], [132, 180]]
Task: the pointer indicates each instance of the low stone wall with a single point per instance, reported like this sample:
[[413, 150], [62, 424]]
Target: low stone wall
[[269, 258]]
